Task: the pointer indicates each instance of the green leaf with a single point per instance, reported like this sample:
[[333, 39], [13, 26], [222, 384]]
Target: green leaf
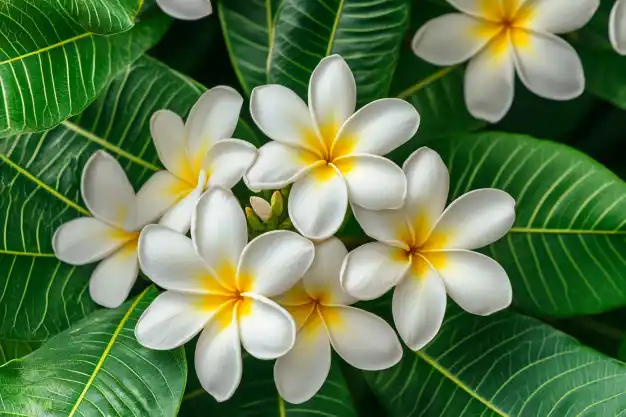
[[503, 365], [97, 367], [367, 34], [51, 68], [40, 186], [104, 17], [566, 252]]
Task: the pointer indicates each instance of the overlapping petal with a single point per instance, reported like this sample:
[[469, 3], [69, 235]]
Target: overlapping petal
[[179, 216], [387, 226], [617, 27], [158, 195], [113, 278], [168, 133], [186, 9], [561, 16], [227, 161]]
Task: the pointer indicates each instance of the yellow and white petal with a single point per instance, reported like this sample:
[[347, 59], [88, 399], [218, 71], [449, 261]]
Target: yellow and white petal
[[168, 258], [452, 38], [362, 339], [489, 81], [300, 373], [212, 118], [296, 296], [172, 320], [387, 226], [474, 220], [267, 331], [283, 117], [227, 161], [377, 128], [114, 277], [107, 191], [85, 240], [617, 27], [278, 165], [548, 66], [178, 218], [186, 9], [560, 16], [273, 262], [419, 305], [332, 96], [475, 282], [428, 183], [168, 133], [371, 270], [218, 355], [374, 182], [318, 202], [489, 9], [158, 195], [322, 281]]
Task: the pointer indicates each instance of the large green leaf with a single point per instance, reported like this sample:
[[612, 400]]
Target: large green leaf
[[40, 186], [96, 367], [566, 254], [504, 365], [51, 67], [367, 34]]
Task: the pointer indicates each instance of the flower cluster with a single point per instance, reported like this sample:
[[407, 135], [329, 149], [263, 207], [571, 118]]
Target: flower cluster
[[285, 295]]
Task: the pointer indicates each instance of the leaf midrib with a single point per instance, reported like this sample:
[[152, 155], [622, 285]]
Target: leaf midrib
[[47, 48], [531, 230]]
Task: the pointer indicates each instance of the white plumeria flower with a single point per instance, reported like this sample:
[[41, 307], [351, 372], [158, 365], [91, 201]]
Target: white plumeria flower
[[501, 37], [324, 318], [617, 27], [330, 154], [186, 9], [217, 282], [196, 154], [427, 251], [110, 236]]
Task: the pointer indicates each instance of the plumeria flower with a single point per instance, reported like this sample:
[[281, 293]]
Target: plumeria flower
[[617, 27], [324, 318], [219, 284], [196, 154], [501, 37], [109, 236], [186, 9], [331, 154], [426, 252]]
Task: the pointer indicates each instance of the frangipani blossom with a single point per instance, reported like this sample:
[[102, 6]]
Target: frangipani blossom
[[324, 318], [426, 252], [219, 284], [331, 154], [617, 27], [501, 37], [186, 9], [109, 236], [196, 154]]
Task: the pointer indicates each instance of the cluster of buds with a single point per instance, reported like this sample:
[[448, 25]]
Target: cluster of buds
[[264, 216]]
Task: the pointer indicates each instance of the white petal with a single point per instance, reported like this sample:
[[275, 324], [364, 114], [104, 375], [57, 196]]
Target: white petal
[[332, 95], [218, 355], [278, 165], [374, 182], [266, 330], [273, 262], [372, 269], [617, 27], [549, 67], [302, 371], [186, 9], [168, 133], [283, 116], [322, 281], [178, 218], [318, 202], [107, 191], [489, 81], [428, 183], [419, 305], [227, 161], [172, 320], [377, 128], [158, 195], [114, 277], [362, 339], [261, 208], [85, 240], [387, 226], [560, 16], [477, 7], [474, 220], [168, 258], [219, 232], [476, 282], [451, 39]]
